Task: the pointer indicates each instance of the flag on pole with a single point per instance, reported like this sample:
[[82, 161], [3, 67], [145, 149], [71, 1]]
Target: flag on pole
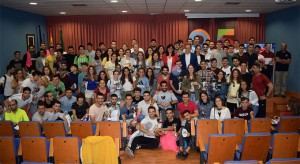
[[61, 38], [50, 36], [40, 36]]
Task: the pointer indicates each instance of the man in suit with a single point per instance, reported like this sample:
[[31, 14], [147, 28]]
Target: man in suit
[[188, 58], [41, 61]]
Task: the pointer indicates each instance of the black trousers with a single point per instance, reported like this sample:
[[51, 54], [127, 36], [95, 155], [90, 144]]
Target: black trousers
[[145, 142], [261, 109]]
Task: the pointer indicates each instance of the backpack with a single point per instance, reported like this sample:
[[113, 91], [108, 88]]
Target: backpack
[[3, 86]]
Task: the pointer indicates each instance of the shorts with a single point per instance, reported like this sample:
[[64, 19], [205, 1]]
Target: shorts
[[89, 93]]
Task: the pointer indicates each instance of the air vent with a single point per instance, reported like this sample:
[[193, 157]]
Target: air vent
[[79, 5], [232, 3]]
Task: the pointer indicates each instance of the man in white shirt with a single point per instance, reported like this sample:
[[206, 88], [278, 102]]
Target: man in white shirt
[[133, 43], [90, 51], [31, 82], [188, 58], [144, 105], [6, 81], [42, 115], [98, 109], [23, 99]]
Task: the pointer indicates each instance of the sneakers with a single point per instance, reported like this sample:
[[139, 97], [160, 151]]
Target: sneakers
[[138, 146], [185, 155], [179, 155], [129, 152]]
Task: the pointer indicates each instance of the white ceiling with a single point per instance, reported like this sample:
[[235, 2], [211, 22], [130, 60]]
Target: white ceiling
[[102, 7]]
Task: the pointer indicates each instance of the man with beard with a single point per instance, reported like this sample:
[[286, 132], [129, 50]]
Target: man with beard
[[98, 109], [143, 106], [67, 101], [214, 67], [164, 76], [148, 127], [187, 104], [41, 60], [16, 114], [56, 87], [22, 99], [29, 59], [164, 99], [176, 78], [206, 54], [128, 110], [41, 114], [114, 109], [70, 57], [153, 45]]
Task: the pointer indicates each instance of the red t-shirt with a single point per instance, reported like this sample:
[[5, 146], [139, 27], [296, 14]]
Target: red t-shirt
[[191, 106], [259, 83], [97, 91], [268, 55]]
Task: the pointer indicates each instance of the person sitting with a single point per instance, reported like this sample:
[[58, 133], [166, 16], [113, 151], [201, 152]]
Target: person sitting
[[80, 108], [23, 99], [41, 114], [148, 127], [98, 109], [219, 111], [164, 99], [16, 114], [185, 136], [204, 106], [293, 108], [187, 104], [245, 111]]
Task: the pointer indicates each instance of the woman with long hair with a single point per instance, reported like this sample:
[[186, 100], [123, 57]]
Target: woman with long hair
[[120, 54], [293, 108], [107, 57], [200, 57], [245, 91], [152, 80], [161, 51], [114, 84], [17, 81], [47, 72], [90, 84], [110, 65], [156, 64], [102, 88], [128, 61], [142, 81], [103, 76], [219, 87], [234, 83], [219, 111], [191, 83], [97, 61], [149, 54], [169, 58], [141, 62], [127, 82], [204, 106]]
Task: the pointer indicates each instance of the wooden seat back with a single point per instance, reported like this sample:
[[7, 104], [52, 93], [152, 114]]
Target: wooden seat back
[[54, 129], [260, 125], [34, 149], [81, 129], [285, 145], [289, 124], [8, 150], [29, 129], [66, 150], [205, 128], [6, 129], [236, 126]]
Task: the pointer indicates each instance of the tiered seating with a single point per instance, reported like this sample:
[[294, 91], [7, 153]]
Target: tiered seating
[[9, 149], [27, 128], [62, 152]]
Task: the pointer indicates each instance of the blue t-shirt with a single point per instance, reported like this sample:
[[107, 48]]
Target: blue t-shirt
[[127, 112], [143, 83], [74, 78], [92, 84]]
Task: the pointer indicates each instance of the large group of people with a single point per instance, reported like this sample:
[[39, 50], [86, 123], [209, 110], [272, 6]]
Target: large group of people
[[154, 91]]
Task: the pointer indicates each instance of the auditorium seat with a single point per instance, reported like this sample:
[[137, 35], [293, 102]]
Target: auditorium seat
[[255, 146], [34, 149], [242, 162], [237, 126], [260, 125], [289, 124], [284, 161], [82, 129], [6, 129], [206, 127], [220, 148], [284, 145], [9, 149], [32, 128], [65, 149], [54, 128]]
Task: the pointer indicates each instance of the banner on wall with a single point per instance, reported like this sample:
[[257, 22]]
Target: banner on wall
[[221, 35]]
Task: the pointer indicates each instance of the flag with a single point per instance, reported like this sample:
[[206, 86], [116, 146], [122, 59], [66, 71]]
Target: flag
[[40, 36], [61, 38], [50, 36]]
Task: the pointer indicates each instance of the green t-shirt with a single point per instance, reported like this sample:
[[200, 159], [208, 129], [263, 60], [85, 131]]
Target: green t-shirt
[[56, 90], [81, 59]]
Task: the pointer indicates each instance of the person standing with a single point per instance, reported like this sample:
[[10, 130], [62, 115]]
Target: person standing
[[283, 60]]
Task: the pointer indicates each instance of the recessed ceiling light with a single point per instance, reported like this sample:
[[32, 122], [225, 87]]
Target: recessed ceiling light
[[248, 11], [114, 1], [198, 0], [124, 11], [62, 12], [186, 10], [33, 3]]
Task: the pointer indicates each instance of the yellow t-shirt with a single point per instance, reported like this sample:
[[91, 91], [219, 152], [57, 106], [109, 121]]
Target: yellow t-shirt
[[20, 115], [233, 91], [50, 60]]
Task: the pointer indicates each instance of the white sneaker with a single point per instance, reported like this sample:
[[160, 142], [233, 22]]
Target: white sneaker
[[138, 147], [129, 152]]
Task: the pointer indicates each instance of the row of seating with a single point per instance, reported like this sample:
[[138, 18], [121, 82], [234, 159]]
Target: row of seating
[[272, 161]]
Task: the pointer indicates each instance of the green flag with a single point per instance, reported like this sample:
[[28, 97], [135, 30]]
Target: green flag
[[61, 38]]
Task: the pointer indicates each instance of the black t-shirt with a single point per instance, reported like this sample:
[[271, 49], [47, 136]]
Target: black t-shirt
[[252, 58], [175, 121], [248, 78], [49, 105], [282, 55], [70, 60], [16, 64], [135, 101], [244, 114], [80, 109], [187, 126], [175, 79]]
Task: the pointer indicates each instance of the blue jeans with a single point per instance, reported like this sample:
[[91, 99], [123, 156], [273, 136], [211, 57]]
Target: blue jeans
[[255, 110]]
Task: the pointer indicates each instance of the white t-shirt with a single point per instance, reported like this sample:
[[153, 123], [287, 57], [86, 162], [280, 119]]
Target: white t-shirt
[[143, 106], [170, 64], [227, 71], [187, 59], [98, 112], [127, 86], [8, 91], [28, 83], [47, 116], [21, 102], [150, 124], [220, 114]]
